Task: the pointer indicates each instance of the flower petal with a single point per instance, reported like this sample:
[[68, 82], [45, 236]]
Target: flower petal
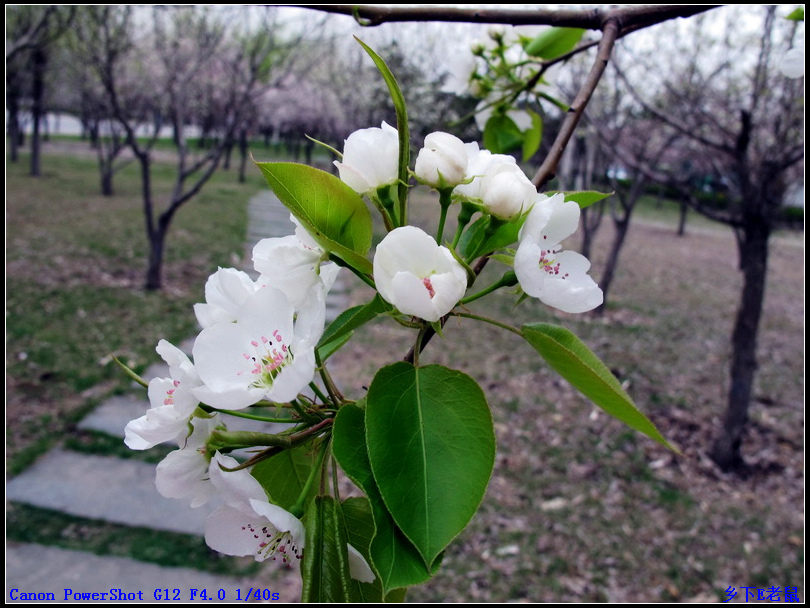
[[358, 566]]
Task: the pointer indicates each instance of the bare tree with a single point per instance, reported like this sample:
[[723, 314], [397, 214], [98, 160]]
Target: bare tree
[[30, 34], [740, 119], [102, 41], [197, 70]]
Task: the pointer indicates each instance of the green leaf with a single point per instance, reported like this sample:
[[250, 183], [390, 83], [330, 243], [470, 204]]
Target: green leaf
[[583, 198], [501, 134], [560, 104], [333, 213], [575, 362], [505, 235], [402, 124], [796, 14], [325, 566], [283, 476], [554, 42], [341, 328], [532, 137], [431, 445], [360, 528], [393, 556]]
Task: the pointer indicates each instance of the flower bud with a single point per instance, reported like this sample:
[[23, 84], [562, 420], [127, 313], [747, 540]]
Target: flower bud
[[442, 163], [370, 159], [506, 192], [416, 275]]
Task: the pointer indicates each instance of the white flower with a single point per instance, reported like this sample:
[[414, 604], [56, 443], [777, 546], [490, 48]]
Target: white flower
[[792, 64], [294, 265], [370, 159], [249, 524], [461, 66], [225, 291], [184, 472], [442, 162], [416, 275], [498, 183], [557, 278], [172, 402], [264, 354]]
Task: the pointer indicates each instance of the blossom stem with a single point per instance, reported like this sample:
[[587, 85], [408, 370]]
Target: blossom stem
[[505, 326], [318, 392], [417, 347], [278, 445], [388, 206], [130, 373], [246, 415], [365, 278], [507, 280], [298, 508], [334, 394], [444, 202], [464, 217], [303, 413]]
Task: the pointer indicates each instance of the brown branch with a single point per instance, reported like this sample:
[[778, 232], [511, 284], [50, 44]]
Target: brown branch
[[549, 167], [590, 19]]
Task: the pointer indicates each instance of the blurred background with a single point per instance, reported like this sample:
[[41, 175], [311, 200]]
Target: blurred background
[[130, 139]]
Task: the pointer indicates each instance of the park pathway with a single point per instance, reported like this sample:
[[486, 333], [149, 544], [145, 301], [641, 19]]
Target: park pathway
[[123, 491]]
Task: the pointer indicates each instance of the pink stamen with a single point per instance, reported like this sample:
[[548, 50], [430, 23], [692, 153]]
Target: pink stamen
[[426, 283]]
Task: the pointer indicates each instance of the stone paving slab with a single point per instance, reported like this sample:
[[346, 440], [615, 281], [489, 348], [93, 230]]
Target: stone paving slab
[[101, 487], [38, 569]]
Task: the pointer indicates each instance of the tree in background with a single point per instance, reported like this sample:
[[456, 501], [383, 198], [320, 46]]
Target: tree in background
[[30, 34], [739, 119], [198, 68]]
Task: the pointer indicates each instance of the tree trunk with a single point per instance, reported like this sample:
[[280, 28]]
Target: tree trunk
[[754, 263], [13, 127], [107, 181], [243, 156], [154, 270], [682, 219], [613, 261], [39, 61], [591, 219]]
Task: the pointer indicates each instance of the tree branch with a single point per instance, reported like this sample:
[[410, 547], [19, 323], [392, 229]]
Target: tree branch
[[590, 19], [549, 167]]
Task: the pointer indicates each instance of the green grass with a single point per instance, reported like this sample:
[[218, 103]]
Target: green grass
[[75, 266], [29, 524]]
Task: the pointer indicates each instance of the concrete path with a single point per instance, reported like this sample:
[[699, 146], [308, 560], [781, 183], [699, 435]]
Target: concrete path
[[123, 492]]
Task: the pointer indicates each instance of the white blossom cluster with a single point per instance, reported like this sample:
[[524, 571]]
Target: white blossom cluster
[[422, 278], [258, 337]]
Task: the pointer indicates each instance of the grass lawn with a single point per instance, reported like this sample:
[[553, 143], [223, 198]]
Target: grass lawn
[[75, 266]]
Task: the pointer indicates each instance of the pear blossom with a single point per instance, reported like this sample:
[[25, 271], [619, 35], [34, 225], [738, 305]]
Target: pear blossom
[[294, 264], [225, 291], [497, 182], [416, 275], [248, 524], [172, 402], [442, 162], [557, 278], [183, 474], [370, 159], [265, 354]]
